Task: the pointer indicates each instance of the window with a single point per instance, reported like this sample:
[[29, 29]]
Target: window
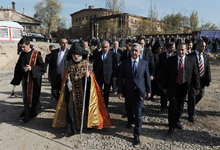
[[76, 19], [28, 28]]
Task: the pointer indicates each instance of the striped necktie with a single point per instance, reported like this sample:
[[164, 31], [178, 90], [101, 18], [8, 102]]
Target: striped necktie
[[180, 73], [201, 66]]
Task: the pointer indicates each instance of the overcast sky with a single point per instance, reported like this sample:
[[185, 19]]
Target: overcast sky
[[208, 10]]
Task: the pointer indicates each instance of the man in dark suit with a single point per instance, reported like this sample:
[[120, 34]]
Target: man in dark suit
[[126, 53], [203, 66], [190, 48], [57, 65], [105, 69], [214, 44], [118, 52], [170, 47], [179, 75], [47, 62], [133, 75], [146, 55]]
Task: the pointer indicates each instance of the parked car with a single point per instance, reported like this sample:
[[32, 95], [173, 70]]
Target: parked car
[[71, 41], [38, 37]]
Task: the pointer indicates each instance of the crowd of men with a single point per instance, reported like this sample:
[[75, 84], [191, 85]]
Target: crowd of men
[[169, 68]]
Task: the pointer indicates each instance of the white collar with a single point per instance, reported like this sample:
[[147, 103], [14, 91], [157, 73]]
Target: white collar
[[197, 53], [62, 50], [137, 60], [103, 53], [28, 51], [181, 58]]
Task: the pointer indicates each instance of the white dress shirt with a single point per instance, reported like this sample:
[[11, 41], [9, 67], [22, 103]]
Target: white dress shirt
[[202, 58], [60, 60], [137, 62]]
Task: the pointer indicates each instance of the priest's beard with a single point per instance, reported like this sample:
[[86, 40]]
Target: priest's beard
[[77, 59]]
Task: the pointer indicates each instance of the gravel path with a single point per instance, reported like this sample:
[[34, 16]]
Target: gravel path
[[38, 134]]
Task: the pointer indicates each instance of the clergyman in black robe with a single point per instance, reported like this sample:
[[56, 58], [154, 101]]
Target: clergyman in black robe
[[29, 70]]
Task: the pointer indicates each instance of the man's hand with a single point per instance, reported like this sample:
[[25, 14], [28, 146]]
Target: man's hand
[[165, 91], [120, 96], [28, 68], [87, 74], [114, 79], [45, 74], [151, 78], [68, 77], [148, 95], [197, 92]]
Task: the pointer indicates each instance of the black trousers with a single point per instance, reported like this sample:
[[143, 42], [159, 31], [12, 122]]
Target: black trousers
[[163, 100], [56, 85], [193, 99], [107, 87], [176, 104], [133, 105], [114, 85]]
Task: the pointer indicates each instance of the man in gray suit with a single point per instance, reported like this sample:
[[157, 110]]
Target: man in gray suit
[[58, 64], [105, 69], [133, 83]]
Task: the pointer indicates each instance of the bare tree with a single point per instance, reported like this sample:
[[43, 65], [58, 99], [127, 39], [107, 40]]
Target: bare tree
[[117, 6], [153, 16]]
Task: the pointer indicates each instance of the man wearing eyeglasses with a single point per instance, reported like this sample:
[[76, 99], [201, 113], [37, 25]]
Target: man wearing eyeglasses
[[133, 75]]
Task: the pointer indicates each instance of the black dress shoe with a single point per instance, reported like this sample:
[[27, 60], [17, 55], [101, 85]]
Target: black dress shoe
[[128, 126], [136, 141], [179, 126], [24, 120], [22, 114], [69, 134], [191, 119], [171, 130]]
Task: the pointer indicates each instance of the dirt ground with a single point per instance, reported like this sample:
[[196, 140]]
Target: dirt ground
[[38, 134]]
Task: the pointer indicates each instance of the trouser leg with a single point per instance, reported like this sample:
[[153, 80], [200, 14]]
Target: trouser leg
[[107, 87], [137, 118]]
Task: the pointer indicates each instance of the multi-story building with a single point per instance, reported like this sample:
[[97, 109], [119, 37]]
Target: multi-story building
[[87, 14], [128, 24]]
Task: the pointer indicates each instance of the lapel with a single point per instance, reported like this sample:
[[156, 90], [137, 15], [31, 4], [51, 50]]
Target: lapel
[[101, 56], [205, 60], [140, 63], [129, 66], [144, 55], [186, 63], [56, 56], [64, 57], [176, 65], [107, 56], [164, 56]]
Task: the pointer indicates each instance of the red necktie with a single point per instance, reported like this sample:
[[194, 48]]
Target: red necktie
[[201, 67], [180, 73]]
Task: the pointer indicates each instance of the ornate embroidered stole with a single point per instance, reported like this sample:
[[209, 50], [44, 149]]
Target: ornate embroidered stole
[[30, 79]]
